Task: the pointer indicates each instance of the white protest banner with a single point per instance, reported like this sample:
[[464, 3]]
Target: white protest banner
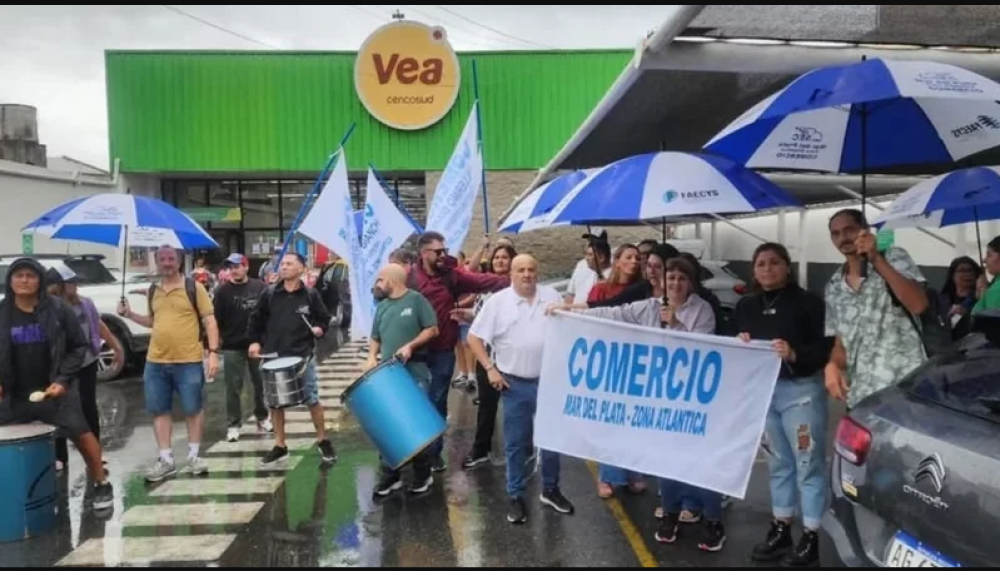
[[686, 407], [451, 209], [330, 222], [385, 229]]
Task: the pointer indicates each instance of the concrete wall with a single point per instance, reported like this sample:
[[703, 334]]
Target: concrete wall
[[558, 250], [25, 198]]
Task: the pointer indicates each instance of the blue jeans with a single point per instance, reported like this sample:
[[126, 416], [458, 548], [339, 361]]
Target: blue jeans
[[796, 430], [442, 366], [520, 402], [675, 497], [618, 477], [161, 381]]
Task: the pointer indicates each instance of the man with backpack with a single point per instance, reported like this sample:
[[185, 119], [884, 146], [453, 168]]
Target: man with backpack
[[435, 277], [181, 316], [334, 286]]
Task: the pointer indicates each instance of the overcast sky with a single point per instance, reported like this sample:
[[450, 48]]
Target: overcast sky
[[53, 55]]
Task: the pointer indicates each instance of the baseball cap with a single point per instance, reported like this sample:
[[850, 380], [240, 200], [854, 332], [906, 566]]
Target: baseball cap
[[597, 233], [59, 275], [237, 260]]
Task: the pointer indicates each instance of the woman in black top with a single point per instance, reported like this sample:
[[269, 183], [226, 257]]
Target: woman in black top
[[793, 319]]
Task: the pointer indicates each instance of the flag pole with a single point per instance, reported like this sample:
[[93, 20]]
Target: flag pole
[[399, 205], [479, 132], [315, 190]]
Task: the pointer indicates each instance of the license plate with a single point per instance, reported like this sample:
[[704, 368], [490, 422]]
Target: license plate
[[906, 551]]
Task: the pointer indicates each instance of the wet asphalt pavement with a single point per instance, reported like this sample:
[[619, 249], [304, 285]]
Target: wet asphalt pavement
[[305, 515]]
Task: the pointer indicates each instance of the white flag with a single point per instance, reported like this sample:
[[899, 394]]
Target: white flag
[[456, 194], [331, 223], [385, 230]]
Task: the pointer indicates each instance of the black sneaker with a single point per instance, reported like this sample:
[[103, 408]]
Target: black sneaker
[[104, 497], [518, 514], [421, 484], [555, 500], [669, 529], [438, 465], [476, 460], [388, 485], [277, 454], [777, 545], [806, 553], [715, 537], [327, 451]]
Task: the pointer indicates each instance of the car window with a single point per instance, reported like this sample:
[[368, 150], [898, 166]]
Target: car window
[[966, 383], [706, 274], [731, 273], [91, 272]]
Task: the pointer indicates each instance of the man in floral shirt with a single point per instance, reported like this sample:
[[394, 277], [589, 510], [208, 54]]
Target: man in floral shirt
[[877, 342]]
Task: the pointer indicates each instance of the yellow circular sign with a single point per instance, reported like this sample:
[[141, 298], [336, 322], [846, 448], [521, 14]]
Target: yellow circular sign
[[407, 75]]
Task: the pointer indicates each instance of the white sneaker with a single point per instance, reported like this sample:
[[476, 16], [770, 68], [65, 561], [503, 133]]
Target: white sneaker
[[233, 435], [197, 466], [265, 426]]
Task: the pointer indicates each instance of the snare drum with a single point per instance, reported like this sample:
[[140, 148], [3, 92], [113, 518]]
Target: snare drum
[[284, 382], [28, 481]]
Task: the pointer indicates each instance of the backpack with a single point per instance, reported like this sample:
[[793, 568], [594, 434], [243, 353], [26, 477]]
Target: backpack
[[192, 293], [932, 325]]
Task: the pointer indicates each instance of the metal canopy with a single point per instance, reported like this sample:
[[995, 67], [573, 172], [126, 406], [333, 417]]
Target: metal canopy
[[707, 65]]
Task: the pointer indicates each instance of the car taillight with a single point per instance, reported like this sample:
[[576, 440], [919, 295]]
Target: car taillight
[[854, 442], [740, 289]]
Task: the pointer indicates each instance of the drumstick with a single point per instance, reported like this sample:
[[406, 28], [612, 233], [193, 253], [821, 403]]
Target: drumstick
[[306, 321]]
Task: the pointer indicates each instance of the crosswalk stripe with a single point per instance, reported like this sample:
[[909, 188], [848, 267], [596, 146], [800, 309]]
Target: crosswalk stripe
[[291, 428], [249, 464], [143, 551], [257, 446], [218, 487], [195, 514]]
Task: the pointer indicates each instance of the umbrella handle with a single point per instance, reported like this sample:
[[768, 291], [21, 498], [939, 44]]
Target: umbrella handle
[[124, 261]]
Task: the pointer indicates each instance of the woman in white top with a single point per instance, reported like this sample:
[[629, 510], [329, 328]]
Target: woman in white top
[[679, 309]]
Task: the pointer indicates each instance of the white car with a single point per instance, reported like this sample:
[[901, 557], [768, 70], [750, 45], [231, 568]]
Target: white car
[[100, 285]]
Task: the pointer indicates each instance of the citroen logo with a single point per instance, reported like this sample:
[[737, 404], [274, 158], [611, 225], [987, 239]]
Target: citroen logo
[[932, 469]]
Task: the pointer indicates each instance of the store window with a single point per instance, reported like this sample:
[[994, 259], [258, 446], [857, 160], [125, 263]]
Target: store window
[[224, 205], [261, 205], [293, 195]]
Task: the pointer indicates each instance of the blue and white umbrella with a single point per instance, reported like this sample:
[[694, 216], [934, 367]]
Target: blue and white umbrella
[[873, 114], [114, 219], [665, 186], [532, 212], [961, 197]]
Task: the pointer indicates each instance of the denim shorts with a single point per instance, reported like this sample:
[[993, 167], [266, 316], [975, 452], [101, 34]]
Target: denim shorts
[[312, 385], [463, 333], [163, 380]]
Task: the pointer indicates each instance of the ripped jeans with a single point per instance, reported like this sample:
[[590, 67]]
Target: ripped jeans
[[796, 433]]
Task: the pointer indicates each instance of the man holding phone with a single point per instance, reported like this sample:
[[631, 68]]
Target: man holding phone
[[404, 324], [867, 300]]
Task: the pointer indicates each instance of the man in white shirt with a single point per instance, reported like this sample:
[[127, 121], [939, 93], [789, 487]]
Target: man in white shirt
[[513, 323]]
